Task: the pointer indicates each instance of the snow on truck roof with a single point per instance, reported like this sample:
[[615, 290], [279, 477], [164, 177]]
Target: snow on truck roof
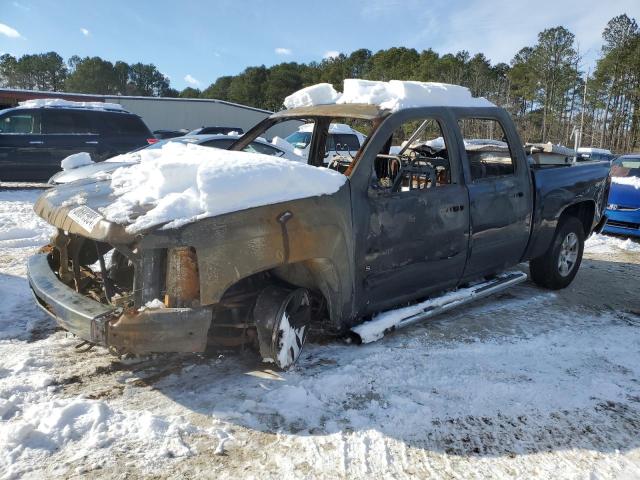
[[393, 95], [61, 103]]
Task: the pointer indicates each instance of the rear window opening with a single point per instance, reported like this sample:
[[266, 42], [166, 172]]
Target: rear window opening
[[488, 152], [122, 124]]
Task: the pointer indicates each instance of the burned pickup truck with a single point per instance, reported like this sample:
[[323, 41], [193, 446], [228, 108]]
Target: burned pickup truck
[[433, 210]]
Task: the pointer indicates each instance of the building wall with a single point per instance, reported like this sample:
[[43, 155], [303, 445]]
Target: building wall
[[176, 114], [168, 113]]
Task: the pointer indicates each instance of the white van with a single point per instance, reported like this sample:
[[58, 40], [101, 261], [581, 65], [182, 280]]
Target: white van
[[343, 141]]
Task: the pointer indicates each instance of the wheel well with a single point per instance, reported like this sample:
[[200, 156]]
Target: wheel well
[[583, 211], [317, 275]]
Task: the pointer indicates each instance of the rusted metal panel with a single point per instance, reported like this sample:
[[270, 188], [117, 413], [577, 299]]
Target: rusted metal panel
[[161, 330], [234, 246], [183, 285], [52, 206], [361, 111]]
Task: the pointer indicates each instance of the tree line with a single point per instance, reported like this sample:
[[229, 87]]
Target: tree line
[[544, 86], [48, 71]]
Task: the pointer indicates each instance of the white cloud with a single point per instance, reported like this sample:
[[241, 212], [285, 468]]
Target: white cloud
[[194, 82], [21, 6], [331, 54], [498, 29], [85, 32], [283, 51], [7, 31]]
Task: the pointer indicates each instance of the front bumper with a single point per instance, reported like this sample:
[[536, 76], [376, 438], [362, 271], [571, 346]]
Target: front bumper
[[139, 332], [622, 222]]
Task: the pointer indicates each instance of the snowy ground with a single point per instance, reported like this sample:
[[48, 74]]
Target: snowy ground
[[530, 384]]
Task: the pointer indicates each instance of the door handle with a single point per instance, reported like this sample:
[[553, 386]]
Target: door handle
[[518, 195], [36, 142], [91, 142], [456, 208]]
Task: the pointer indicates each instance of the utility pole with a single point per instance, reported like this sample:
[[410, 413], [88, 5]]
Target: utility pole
[[584, 99]]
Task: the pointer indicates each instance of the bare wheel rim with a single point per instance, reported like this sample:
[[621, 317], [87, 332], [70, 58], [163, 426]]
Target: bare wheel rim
[[292, 330], [568, 254]]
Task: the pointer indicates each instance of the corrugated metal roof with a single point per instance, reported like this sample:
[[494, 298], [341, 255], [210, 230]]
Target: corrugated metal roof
[[19, 95]]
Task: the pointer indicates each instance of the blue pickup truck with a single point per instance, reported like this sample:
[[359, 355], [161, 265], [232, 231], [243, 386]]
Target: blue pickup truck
[[437, 208]]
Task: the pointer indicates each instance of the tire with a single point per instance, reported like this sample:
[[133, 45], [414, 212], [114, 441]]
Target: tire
[[557, 268], [282, 317]]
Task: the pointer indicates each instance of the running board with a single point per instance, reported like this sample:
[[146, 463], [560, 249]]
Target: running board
[[385, 322]]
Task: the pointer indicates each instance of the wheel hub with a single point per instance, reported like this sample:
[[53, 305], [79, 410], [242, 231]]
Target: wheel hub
[[568, 254], [282, 320]]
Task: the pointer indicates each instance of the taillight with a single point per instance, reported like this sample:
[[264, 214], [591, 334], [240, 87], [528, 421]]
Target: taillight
[[151, 141]]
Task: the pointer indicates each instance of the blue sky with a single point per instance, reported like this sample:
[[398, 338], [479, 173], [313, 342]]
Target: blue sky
[[194, 42]]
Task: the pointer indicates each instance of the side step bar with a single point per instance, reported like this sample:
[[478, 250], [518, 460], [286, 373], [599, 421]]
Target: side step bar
[[385, 322]]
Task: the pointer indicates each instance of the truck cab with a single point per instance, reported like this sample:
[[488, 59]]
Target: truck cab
[[445, 214]]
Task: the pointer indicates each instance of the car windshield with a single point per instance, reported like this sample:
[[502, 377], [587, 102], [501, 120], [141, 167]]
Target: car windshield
[[626, 167], [299, 139]]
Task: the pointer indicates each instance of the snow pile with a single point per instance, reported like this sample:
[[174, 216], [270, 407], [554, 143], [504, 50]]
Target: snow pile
[[605, 244], [87, 426], [145, 154], [392, 95], [633, 181], [76, 160], [59, 102], [184, 183], [319, 94]]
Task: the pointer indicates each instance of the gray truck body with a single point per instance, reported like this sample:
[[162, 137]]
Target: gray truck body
[[361, 249]]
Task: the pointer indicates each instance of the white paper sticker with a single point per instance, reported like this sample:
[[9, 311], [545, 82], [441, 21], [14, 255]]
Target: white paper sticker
[[85, 217]]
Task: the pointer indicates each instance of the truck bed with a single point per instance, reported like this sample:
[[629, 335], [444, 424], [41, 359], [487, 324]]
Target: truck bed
[[557, 187]]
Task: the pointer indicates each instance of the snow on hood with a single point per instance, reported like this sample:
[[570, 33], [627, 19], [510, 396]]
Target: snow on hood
[[76, 160], [392, 95], [633, 181], [189, 182], [59, 102]]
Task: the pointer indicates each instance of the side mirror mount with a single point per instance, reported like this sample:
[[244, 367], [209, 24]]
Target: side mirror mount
[[375, 189]]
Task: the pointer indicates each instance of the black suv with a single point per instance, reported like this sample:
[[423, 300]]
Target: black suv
[[33, 141]]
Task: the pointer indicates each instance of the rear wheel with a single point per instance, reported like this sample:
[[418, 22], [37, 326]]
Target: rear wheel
[[282, 318], [558, 267]]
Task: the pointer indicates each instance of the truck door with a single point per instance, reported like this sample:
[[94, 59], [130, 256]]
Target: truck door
[[500, 195], [418, 216]]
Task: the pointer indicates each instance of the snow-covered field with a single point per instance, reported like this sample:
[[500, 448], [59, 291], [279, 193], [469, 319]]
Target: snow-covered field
[[529, 384]]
